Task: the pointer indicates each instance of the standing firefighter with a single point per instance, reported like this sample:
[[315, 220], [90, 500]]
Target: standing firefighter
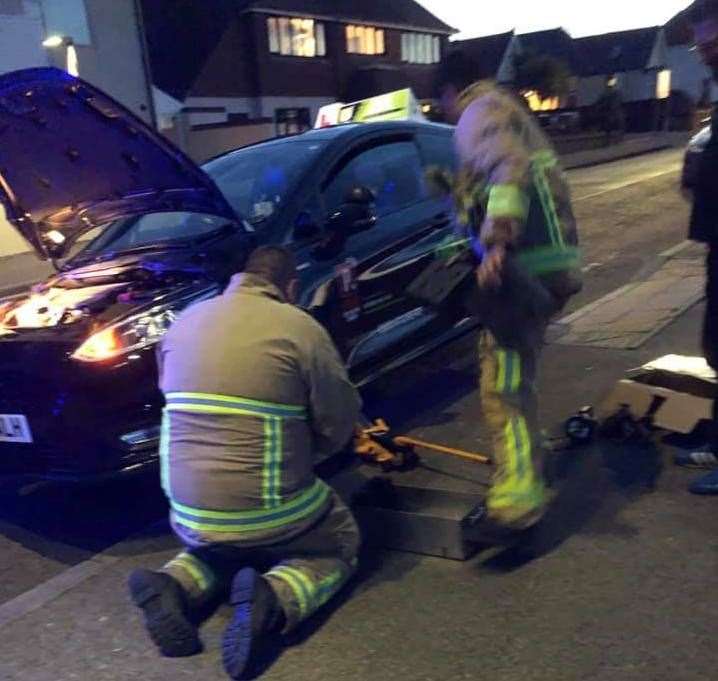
[[256, 393], [513, 200]]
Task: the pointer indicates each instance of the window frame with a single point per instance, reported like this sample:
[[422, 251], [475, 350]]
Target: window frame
[[283, 33], [423, 49], [359, 34], [362, 148]]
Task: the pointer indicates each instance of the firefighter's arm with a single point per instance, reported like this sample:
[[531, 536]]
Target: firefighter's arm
[[334, 401], [490, 141]]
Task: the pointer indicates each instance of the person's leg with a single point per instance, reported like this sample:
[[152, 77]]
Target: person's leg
[[170, 597], [308, 571], [708, 458], [509, 405]]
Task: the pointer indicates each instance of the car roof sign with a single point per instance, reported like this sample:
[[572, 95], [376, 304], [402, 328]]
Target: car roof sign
[[400, 105]]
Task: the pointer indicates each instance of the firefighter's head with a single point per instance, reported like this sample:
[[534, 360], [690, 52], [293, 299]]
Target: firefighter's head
[[277, 266], [457, 86], [703, 16], [455, 74]]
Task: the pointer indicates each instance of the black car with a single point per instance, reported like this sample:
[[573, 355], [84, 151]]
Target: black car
[[138, 232], [691, 159]]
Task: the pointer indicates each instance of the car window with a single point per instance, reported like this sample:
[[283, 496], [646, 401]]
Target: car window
[[438, 151], [392, 171], [258, 181]]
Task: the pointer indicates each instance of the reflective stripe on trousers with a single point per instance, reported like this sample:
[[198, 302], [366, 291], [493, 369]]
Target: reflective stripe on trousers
[[509, 407]]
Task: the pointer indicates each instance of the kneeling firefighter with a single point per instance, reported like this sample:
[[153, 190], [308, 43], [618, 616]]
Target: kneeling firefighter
[[513, 202], [256, 394]]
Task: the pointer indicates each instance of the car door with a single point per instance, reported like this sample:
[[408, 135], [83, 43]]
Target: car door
[[362, 297]]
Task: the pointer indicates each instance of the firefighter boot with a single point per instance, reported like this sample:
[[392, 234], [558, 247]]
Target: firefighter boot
[[164, 604], [257, 614]]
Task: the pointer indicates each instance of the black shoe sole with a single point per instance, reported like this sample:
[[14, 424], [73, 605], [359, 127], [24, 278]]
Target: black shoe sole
[[237, 641], [165, 618]]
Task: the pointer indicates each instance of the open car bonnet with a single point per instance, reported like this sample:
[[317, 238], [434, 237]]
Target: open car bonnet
[[72, 159]]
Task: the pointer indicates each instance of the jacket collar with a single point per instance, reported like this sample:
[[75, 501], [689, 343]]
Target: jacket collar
[[250, 284]]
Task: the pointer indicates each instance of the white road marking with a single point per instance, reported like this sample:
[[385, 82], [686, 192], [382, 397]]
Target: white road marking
[[614, 188]]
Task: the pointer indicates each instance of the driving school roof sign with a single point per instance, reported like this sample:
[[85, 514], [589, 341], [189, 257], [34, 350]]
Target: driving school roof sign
[[393, 106]]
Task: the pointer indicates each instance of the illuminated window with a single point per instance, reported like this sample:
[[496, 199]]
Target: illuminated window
[[663, 84], [420, 48], [365, 40], [296, 37], [536, 103]]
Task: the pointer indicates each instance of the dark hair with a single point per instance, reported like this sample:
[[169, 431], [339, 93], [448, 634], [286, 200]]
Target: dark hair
[[456, 69], [701, 10], [274, 264]]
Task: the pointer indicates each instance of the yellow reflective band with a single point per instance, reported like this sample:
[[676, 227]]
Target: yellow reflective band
[[267, 469], [548, 259], [165, 454], [297, 582], [200, 401], [548, 205], [501, 370], [545, 158], [508, 374], [303, 506], [507, 201], [199, 572]]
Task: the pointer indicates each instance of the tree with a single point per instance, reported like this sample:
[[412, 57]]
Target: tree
[[543, 74], [608, 114]]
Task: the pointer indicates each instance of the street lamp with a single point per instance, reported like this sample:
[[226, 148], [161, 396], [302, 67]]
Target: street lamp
[[55, 41]]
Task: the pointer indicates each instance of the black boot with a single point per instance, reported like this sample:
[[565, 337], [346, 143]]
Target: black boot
[[257, 614], [164, 605]]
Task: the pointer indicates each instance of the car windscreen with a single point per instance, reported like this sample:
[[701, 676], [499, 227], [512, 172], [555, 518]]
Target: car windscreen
[[258, 180], [151, 230]]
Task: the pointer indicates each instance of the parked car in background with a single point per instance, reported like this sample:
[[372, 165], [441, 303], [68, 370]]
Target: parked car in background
[[691, 159]]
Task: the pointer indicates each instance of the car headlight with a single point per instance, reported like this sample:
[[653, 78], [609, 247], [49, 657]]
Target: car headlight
[[139, 331]]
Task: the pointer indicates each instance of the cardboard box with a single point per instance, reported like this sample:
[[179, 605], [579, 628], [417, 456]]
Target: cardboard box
[[680, 390]]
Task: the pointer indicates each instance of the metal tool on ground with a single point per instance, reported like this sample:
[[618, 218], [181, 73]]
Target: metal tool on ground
[[581, 428], [376, 444]]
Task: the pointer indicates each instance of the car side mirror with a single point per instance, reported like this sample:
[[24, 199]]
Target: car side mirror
[[355, 215]]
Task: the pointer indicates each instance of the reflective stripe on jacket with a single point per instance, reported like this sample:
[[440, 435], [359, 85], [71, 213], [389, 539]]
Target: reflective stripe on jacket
[[510, 167], [255, 394]]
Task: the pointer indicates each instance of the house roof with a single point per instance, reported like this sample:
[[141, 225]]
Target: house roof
[[487, 52], [678, 30], [190, 24], [616, 52], [394, 13], [555, 42]]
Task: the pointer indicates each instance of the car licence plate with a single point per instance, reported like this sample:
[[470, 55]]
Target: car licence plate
[[15, 428]]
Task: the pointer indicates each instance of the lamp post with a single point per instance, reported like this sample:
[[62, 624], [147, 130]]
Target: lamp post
[[71, 61]]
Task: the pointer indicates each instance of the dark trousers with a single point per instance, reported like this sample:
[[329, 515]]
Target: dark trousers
[[710, 331]]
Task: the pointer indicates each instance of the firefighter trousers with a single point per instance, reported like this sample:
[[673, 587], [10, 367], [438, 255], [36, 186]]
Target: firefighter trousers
[[509, 405], [514, 321], [304, 572]]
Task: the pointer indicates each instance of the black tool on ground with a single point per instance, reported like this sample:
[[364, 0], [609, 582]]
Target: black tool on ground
[[581, 428]]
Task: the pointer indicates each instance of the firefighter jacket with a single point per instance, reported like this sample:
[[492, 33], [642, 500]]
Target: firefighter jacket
[[704, 218], [256, 394], [510, 170]]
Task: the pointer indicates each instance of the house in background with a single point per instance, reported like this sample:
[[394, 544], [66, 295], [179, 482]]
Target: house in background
[[234, 62], [492, 56], [635, 63], [559, 45], [690, 75]]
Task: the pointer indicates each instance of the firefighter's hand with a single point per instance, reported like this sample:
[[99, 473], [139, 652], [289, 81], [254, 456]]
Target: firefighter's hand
[[489, 272]]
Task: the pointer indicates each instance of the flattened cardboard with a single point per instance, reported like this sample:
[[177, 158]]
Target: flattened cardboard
[[686, 386]]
